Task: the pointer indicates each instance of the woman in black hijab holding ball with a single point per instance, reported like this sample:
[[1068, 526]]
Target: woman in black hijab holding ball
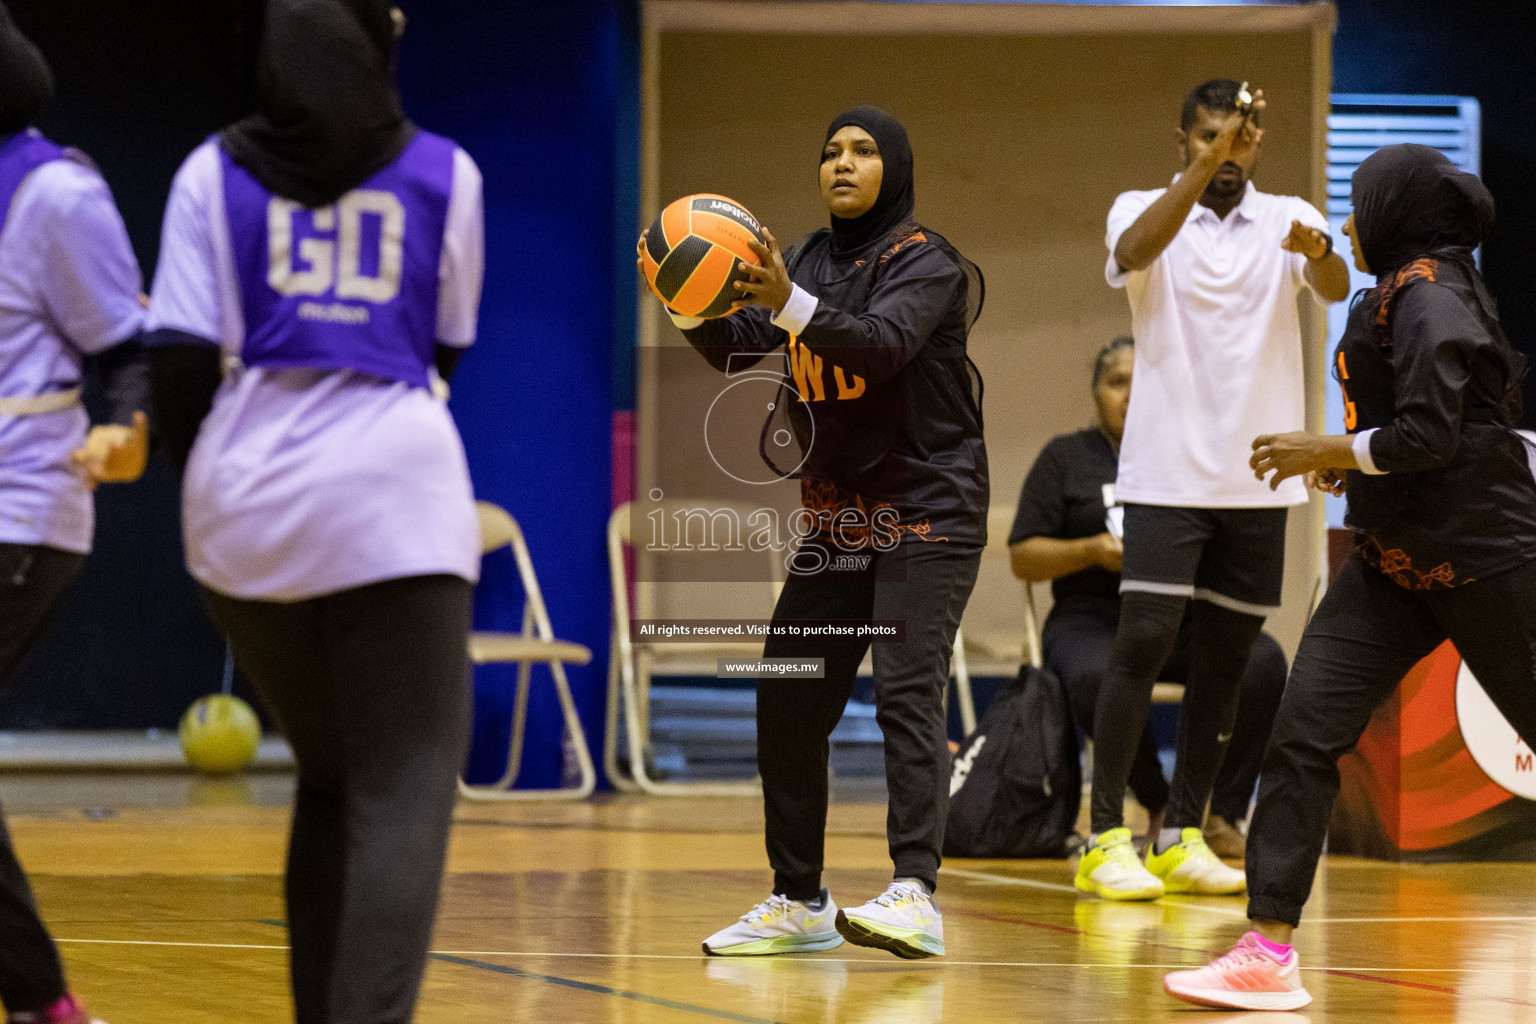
[[1443, 506], [884, 409]]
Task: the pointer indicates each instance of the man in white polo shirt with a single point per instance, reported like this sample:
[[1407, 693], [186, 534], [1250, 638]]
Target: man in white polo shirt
[[1212, 268]]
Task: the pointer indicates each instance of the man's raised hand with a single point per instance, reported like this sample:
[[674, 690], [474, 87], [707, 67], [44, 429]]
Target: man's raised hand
[[1239, 135]]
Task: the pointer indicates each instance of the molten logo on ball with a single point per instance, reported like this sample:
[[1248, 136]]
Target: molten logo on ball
[[693, 252]]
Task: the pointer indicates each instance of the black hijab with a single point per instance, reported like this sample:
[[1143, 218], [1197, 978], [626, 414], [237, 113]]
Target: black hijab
[[329, 115], [894, 205], [25, 81], [1411, 201]]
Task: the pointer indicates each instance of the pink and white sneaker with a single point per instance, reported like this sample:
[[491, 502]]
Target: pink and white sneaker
[[67, 1010], [1249, 977]]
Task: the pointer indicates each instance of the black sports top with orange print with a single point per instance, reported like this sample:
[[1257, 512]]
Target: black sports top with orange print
[[885, 406], [1422, 365]]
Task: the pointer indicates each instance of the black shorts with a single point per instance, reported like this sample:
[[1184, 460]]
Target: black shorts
[[1231, 557]]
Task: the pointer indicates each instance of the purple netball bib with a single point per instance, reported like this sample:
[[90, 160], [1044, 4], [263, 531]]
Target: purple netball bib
[[20, 155], [352, 285]]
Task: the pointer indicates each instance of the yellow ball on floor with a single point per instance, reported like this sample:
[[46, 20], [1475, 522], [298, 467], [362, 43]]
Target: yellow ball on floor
[[219, 734]]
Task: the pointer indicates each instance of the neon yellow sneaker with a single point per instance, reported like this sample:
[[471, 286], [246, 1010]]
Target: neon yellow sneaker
[[1191, 867], [1109, 868]]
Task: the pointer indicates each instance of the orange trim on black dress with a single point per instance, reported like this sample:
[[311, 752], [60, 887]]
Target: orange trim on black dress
[[825, 499], [1422, 269], [912, 239], [1396, 565]]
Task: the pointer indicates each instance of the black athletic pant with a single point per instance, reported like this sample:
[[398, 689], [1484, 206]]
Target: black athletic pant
[[32, 581], [925, 585], [1232, 563], [1077, 640], [1364, 637], [371, 688]]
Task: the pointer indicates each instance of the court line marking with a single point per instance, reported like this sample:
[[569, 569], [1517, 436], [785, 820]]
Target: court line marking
[[983, 876], [150, 942], [587, 986], [1188, 904], [462, 961], [1353, 973], [934, 964], [750, 832], [1390, 920], [1034, 883], [1181, 903], [1342, 972]]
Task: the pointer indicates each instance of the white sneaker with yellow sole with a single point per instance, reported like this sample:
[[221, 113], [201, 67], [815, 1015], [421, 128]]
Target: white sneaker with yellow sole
[[902, 920], [1191, 867], [1110, 868]]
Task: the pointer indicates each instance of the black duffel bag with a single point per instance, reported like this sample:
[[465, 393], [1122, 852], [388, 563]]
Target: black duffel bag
[[1016, 785]]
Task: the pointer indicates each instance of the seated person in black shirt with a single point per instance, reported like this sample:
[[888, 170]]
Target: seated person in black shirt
[[1060, 534]]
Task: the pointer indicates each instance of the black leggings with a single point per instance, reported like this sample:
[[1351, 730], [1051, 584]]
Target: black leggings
[[1219, 643], [926, 585], [32, 581], [1077, 640], [371, 688], [1364, 637]]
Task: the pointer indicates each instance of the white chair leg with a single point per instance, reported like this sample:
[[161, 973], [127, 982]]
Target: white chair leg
[[962, 674], [584, 764], [642, 708], [638, 711], [621, 782], [519, 724], [634, 716], [502, 790], [519, 712]]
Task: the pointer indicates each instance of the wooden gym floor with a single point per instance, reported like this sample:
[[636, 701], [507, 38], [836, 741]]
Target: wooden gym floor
[[166, 896]]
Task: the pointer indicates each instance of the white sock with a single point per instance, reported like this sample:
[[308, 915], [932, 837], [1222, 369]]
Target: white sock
[[1168, 837], [916, 883]]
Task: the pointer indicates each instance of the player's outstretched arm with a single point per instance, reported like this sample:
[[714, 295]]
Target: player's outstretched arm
[[1149, 234], [1326, 271], [1299, 453]]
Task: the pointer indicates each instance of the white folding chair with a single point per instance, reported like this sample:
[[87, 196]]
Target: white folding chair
[[536, 644], [632, 662]]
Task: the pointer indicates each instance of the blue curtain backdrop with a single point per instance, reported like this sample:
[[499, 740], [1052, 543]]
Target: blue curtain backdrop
[[531, 91]]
